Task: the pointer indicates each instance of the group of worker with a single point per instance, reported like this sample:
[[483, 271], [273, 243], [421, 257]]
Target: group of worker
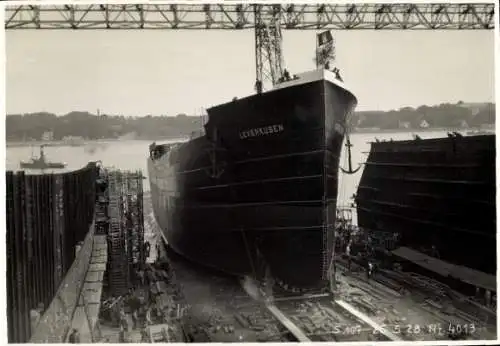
[[486, 297], [347, 240], [144, 311], [145, 273], [286, 77], [369, 264]]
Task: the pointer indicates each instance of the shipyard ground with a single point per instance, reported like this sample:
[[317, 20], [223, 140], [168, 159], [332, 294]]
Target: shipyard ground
[[388, 306]]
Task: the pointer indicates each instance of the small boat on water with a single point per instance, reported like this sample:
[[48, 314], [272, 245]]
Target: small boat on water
[[41, 163]]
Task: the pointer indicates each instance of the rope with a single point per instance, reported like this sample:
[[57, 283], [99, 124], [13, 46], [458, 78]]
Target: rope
[[249, 254], [341, 180]]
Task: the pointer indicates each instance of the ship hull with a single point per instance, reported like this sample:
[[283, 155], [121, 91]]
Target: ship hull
[[438, 195], [258, 191], [27, 165]]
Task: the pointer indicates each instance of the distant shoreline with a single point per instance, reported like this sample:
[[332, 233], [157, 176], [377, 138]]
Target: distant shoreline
[[435, 129], [17, 144], [113, 140]]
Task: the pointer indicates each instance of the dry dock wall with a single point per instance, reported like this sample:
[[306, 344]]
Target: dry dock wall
[[47, 216], [56, 321], [86, 315]]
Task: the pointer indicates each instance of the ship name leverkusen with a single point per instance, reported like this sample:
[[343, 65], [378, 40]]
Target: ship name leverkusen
[[258, 189]]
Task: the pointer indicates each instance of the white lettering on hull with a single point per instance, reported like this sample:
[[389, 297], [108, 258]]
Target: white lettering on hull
[[262, 131]]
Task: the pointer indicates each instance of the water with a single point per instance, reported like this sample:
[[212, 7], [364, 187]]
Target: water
[[132, 155], [126, 155]]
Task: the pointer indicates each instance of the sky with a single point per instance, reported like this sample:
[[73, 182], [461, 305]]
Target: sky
[[138, 73]]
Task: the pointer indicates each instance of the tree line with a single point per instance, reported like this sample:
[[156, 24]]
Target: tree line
[[22, 127], [446, 115], [32, 126]]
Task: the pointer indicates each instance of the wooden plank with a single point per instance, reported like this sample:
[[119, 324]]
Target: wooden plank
[[367, 320], [39, 241], [50, 235], [23, 279], [45, 272], [57, 230], [287, 323], [12, 263]]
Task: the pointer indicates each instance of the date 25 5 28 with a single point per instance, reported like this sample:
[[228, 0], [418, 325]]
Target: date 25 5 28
[[435, 328]]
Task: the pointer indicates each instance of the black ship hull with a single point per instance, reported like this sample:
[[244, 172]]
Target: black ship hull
[[258, 191], [29, 165], [438, 195]]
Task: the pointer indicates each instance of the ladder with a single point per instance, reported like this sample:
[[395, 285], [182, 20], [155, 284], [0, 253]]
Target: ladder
[[117, 269]]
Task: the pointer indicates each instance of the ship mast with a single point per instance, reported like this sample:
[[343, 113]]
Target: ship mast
[[325, 53], [42, 154], [325, 50]]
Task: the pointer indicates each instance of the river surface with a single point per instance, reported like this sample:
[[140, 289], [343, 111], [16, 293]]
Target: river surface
[[132, 155]]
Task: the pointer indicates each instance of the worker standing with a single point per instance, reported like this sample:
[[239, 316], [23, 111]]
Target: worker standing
[[348, 253], [369, 270], [135, 319], [121, 336], [145, 336], [487, 296], [148, 316], [74, 337], [147, 249], [35, 316], [123, 319], [140, 275], [158, 252]]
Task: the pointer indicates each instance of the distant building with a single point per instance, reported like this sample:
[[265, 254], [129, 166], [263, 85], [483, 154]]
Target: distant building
[[463, 124], [404, 124], [424, 124], [361, 119], [73, 140], [484, 118], [48, 136], [474, 107]]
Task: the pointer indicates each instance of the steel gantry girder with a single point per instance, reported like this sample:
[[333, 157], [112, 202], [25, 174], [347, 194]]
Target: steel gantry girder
[[236, 17], [266, 19], [268, 57]]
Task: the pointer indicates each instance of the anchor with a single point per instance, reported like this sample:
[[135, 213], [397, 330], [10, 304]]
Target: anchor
[[217, 166], [216, 169], [350, 170], [217, 162]]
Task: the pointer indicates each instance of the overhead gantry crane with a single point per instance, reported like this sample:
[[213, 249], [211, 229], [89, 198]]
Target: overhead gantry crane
[[267, 21]]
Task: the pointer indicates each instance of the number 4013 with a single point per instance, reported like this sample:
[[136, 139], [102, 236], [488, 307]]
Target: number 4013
[[467, 328]]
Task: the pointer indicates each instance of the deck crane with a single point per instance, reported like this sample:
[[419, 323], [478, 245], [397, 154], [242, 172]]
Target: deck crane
[[267, 21]]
